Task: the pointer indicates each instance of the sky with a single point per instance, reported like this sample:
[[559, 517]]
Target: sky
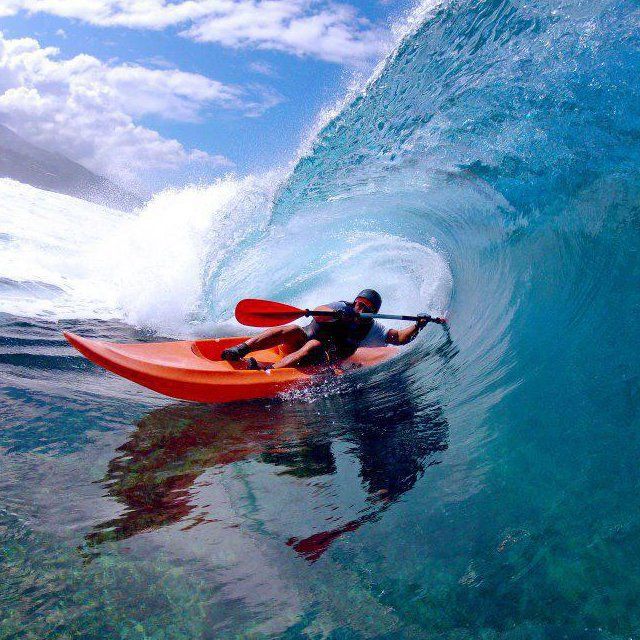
[[155, 92]]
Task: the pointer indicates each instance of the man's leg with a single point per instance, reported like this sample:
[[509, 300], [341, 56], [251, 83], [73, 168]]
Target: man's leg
[[310, 353], [291, 335]]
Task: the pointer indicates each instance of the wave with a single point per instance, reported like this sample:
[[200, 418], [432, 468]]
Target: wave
[[485, 169], [488, 168]]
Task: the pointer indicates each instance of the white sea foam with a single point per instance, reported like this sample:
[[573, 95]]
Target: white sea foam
[[47, 253], [190, 254]]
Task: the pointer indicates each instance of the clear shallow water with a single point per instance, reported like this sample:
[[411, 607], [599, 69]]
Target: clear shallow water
[[481, 485]]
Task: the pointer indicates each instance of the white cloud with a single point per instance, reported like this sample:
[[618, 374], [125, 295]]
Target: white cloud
[[170, 93], [87, 109], [265, 99], [142, 14], [264, 68], [326, 30], [10, 7], [333, 32], [157, 62]]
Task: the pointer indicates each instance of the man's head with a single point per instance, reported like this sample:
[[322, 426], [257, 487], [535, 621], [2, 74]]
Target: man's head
[[368, 301]]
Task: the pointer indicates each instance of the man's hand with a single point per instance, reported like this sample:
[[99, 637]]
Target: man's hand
[[346, 315], [423, 320], [404, 336], [324, 318]]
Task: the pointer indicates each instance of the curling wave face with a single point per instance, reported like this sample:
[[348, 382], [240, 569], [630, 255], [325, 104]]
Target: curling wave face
[[489, 170], [485, 171]]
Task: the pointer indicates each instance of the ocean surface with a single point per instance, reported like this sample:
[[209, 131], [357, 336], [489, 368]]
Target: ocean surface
[[483, 484]]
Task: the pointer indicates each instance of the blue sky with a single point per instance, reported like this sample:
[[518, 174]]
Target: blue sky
[[153, 92]]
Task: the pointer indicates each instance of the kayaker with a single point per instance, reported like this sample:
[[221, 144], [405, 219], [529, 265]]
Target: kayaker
[[326, 340]]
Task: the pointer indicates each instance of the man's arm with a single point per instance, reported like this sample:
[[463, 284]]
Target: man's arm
[[404, 336], [324, 307]]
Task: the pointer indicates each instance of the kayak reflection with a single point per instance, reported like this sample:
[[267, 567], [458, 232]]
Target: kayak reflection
[[155, 472], [394, 441]]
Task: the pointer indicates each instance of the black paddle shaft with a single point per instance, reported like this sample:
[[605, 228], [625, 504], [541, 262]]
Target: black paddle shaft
[[384, 316]]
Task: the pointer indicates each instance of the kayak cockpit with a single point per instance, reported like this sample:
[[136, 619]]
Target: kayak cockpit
[[212, 349]]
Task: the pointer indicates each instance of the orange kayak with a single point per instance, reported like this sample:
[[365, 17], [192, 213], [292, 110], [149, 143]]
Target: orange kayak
[[193, 370]]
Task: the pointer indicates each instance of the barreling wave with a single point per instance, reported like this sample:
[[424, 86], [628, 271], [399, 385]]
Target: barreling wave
[[484, 483], [488, 169]]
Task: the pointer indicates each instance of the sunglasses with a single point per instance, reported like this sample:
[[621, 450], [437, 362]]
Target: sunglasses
[[366, 304]]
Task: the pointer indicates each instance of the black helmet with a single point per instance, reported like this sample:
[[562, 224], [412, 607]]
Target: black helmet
[[373, 297]]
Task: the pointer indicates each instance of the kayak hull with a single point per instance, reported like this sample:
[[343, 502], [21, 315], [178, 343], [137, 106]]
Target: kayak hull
[[192, 369]]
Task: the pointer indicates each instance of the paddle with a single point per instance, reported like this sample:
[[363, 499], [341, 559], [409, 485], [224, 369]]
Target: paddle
[[265, 313]]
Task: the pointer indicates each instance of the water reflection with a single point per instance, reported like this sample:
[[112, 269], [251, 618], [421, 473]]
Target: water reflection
[[392, 439]]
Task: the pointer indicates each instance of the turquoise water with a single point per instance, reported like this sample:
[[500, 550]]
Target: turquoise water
[[483, 484]]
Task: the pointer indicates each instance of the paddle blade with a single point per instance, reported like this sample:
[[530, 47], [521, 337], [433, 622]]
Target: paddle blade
[[264, 313]]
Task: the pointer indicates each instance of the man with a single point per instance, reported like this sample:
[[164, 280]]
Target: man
[[326, 339]]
